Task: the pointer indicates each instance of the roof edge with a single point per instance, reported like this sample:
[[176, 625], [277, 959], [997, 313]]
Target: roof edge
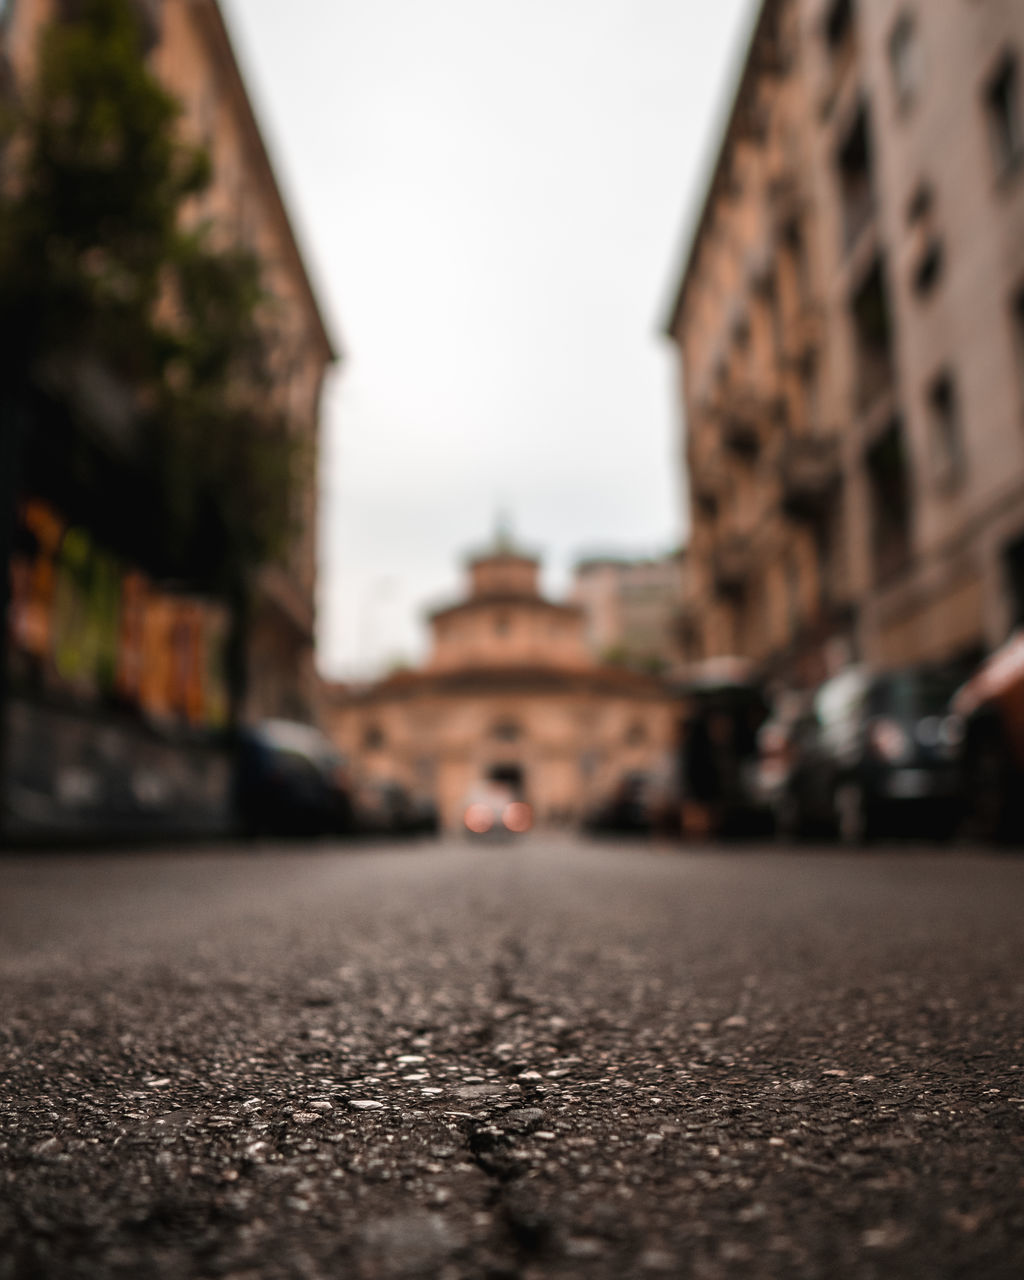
[[222, 35], [697, 225]]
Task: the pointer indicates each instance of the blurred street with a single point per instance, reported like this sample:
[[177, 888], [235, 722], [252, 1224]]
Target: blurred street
[[547, 1058]]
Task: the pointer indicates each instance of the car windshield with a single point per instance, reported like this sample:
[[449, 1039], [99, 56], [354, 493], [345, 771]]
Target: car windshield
[[910, 695]]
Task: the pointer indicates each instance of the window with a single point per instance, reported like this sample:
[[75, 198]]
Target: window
[[810, 395], [1017, 320], [795, 249], [889, 491], [905, 60], [839, 25], [926, 251], [856, 179], [1002, 102], [945, 434], [872, 329]]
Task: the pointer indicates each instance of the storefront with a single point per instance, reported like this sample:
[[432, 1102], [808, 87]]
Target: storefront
[[118, 705]]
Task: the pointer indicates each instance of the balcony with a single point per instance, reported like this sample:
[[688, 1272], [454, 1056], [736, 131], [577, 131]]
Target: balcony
[[745, 414], [731, 564], [707, 482], [740, 433], [805, 331], [787, 195], [810, 471]]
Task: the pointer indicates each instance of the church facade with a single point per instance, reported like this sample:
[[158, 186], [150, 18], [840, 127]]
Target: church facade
[[510, 693]]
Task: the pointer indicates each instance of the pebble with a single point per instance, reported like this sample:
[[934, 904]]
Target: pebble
[[522, 1119], [365, 1104]]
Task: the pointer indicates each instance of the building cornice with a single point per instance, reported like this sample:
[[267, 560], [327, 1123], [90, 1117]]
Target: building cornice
[[519, 679], [505, 600], [219, 38], [744, 84]]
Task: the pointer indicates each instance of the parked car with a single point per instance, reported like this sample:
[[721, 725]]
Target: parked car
[[290, 780], [723, 709], [778, 744], [881, 753], [384, 806], [631, 809], [991, 704]]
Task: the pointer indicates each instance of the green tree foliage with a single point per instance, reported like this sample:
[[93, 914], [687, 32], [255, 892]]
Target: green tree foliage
[[104, 261]]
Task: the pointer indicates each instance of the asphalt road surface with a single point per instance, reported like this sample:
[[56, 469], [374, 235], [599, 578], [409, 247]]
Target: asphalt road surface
[[518, 1060]]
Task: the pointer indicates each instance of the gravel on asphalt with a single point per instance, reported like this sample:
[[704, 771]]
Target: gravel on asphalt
[[528, 1060]]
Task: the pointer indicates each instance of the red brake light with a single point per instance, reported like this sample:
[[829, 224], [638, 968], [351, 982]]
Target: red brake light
[[478, 819], [517, 817]]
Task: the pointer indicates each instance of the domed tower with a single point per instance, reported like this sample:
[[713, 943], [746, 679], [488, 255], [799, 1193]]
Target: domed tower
[[505, 621]]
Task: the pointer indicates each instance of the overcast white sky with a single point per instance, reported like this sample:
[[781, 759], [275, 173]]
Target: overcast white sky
[[493, 196]]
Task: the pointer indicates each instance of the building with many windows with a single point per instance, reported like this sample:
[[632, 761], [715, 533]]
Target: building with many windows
[[850, 323]]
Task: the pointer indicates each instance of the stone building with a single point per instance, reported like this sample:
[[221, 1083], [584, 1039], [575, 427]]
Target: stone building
[[850, 322], [194, 58], [191, 53], [509, 692], [631, 608]]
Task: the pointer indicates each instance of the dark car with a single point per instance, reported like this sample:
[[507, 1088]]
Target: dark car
[[385, 807], [290, 780], [880, 754], [630, 810], [722, 710], [991, 703]]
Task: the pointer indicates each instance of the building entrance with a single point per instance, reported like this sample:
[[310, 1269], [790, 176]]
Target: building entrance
[[508, 775]]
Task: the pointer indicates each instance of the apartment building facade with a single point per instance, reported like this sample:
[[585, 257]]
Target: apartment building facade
[[189, 49], [124, 657], [195, 60], [850, 323]]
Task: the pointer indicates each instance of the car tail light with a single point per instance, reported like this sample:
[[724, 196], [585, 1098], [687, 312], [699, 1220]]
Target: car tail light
[[518, 817], [890, 741], [478, 819]]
